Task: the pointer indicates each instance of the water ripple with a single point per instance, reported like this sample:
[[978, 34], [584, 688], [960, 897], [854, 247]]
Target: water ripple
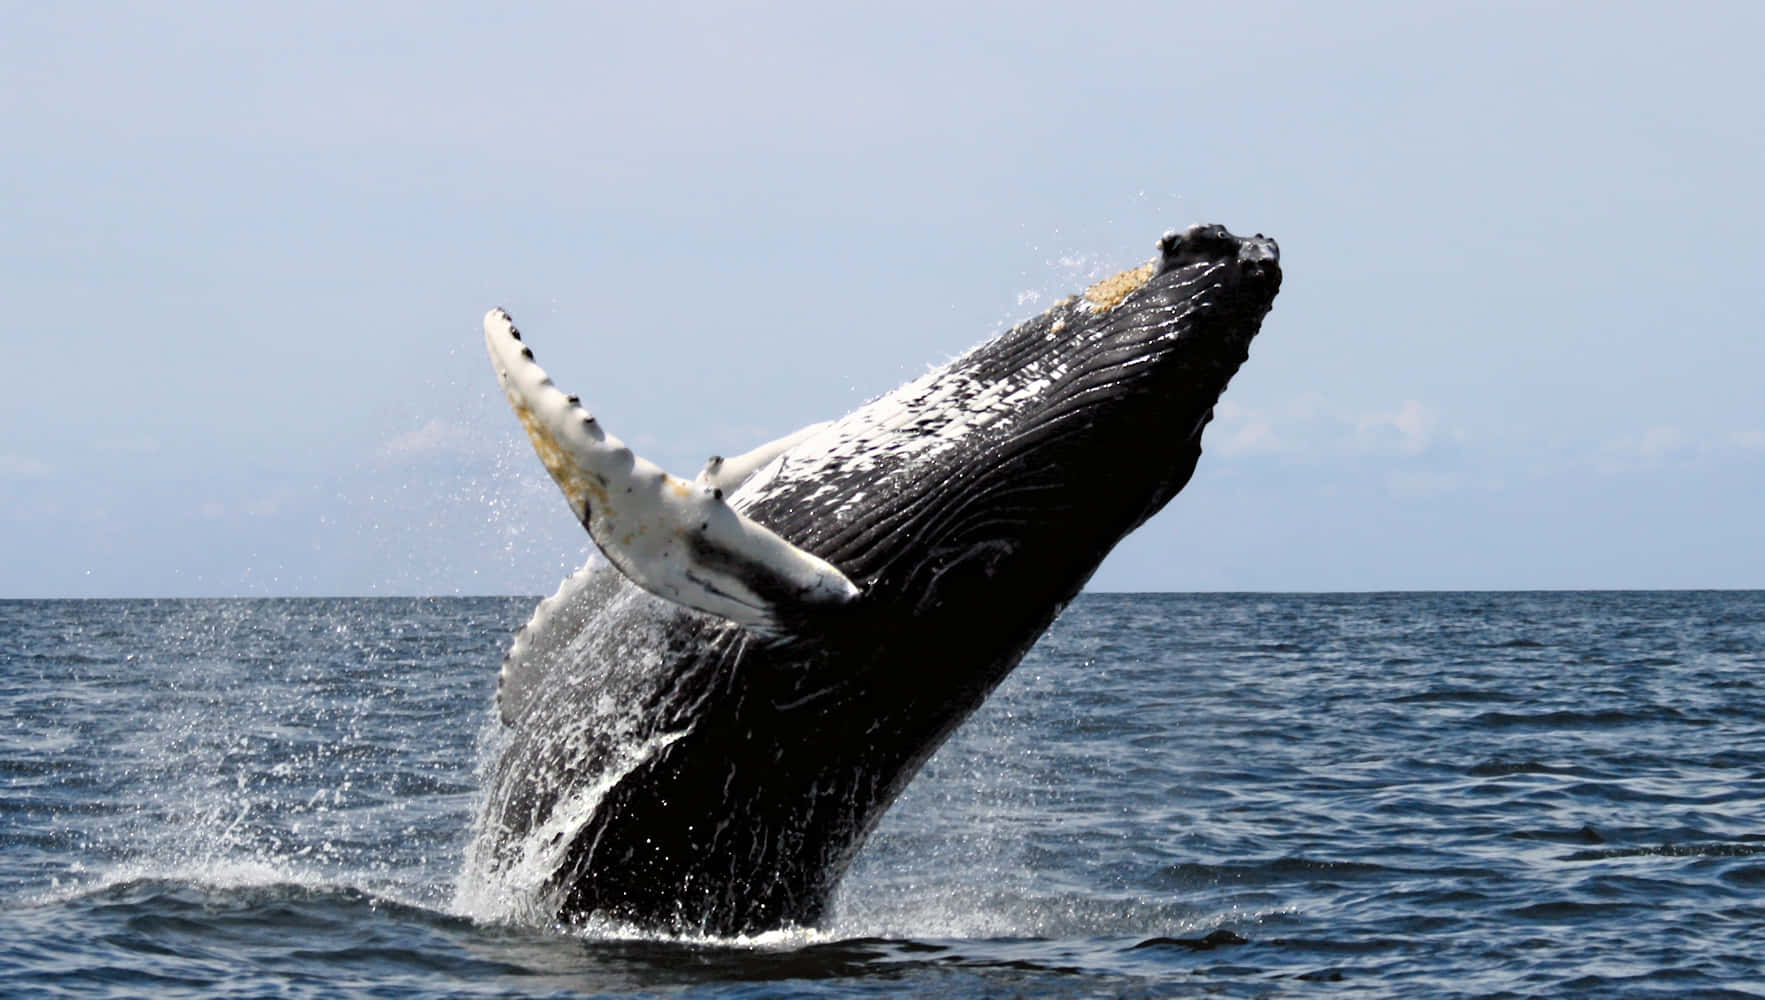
[[1434, 795]]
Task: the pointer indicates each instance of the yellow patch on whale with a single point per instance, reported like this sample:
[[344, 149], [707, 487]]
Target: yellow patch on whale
[[579, 487], [1108, 293]]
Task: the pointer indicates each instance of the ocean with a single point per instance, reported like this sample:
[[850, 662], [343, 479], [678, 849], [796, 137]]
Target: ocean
[[1239, 795]]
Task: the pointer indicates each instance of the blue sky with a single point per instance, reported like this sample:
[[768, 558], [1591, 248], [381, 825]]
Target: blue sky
[[246, 251]]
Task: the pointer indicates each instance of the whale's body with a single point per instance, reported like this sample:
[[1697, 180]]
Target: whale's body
[[716, 772]]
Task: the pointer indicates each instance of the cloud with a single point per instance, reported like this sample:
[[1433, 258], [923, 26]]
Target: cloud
[[214, 509], [1408, 431], [436, 438], [1669, 443], [1255, 438], [1423, 483], [1651, 447], [23, 467], [1308, 425], [1659, 442], [1753, 440], [134, 444], [1243, 432]]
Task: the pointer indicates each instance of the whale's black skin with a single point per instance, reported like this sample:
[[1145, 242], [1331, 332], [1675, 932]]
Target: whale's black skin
[[672, 770]]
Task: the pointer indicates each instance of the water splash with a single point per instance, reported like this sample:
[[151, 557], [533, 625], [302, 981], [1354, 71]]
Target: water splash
[[268, 742]]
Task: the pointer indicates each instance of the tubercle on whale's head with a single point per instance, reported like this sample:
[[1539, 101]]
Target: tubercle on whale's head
[[1206, 242]]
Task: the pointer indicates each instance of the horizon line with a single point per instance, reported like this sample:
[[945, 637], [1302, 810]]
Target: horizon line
[[1088, 592]]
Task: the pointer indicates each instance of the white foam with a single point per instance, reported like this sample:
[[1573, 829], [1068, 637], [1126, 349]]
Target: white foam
[[513, 890]]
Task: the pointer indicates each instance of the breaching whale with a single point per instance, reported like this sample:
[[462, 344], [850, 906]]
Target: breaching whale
[[702, 729]]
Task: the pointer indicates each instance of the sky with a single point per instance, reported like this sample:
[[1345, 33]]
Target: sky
[[246, 250]]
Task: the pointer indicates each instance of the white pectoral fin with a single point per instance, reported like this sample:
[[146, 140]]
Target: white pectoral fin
[[678, 540], [727, 474]]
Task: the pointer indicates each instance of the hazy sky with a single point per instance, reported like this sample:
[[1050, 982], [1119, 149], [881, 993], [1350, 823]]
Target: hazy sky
[[246, 250]]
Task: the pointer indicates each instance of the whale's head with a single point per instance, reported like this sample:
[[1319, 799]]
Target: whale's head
[[983, 494]]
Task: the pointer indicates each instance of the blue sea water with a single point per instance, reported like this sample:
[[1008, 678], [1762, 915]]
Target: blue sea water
[[1241, 795]]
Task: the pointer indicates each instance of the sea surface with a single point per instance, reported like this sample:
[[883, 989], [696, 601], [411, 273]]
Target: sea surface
[[1239, 795]]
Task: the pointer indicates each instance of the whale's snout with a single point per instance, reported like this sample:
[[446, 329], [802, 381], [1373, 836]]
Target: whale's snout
[[1259, 259], [1259, 249], [1201, 244]]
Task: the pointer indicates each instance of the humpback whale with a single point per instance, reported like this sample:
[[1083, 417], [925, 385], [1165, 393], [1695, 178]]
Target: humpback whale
[[701, 728]]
